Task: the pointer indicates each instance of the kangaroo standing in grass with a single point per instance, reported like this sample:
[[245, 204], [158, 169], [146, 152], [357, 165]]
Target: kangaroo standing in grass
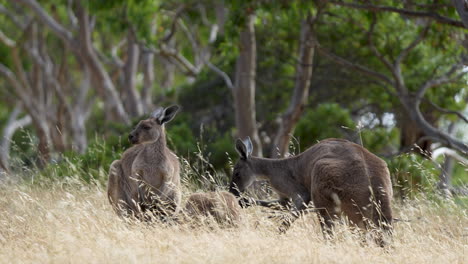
[[222, 206], [146, 178], [338, 176]]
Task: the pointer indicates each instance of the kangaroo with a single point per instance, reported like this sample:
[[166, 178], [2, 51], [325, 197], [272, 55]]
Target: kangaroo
[[222, 206], [146, 178], [338, 176]]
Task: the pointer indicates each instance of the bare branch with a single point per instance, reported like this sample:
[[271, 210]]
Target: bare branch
[[180, 59], [12, 79], [374, 48], [45, 18], [9, 130], [114, 51], [432, 15], [172, 31], [345, 62], [6, 40], [446, 111], [12, 17], [71, 14], [225, 76], [199, 52], [413, 44], [450, 76]]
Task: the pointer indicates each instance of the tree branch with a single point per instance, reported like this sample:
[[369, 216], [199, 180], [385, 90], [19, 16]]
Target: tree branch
[[45, 18], [445, 78], [432, 15], [9, 130], [6, 40], [373, 48], [413, 44], [172, 31], [71, 14], [446, 111], [180, 59], [12, 17], [344, 62], [225, 76]]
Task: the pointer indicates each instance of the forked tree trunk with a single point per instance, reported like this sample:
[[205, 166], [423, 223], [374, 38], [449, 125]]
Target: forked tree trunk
[[291, 116], [114, 106], [244, 87]]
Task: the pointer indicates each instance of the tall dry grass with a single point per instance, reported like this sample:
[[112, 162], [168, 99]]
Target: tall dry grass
[[69, 222]]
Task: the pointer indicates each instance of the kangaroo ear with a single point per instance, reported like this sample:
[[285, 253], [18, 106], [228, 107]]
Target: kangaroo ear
[[168, 114], [241, 148], [249, 146], [157, 113]]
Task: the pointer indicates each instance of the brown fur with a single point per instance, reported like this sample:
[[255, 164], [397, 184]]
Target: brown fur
[[146, 178], [222, 206], [338, 176]]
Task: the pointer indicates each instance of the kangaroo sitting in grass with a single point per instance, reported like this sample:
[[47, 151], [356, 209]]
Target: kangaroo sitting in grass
[[222, 206], [146, 178], [338, 176]]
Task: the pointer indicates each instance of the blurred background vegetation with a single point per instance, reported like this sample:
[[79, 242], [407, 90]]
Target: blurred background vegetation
[[76, 76]]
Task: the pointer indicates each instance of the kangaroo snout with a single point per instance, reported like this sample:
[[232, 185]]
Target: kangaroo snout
[[132, 138]]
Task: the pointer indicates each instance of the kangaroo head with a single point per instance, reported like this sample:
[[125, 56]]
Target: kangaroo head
[[151, 129], [242, 175]]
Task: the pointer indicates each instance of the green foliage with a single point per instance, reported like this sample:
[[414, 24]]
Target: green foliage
[[120, 14], [378, 139], [411, 174], [92, 166], [324, 121], [180, 136]]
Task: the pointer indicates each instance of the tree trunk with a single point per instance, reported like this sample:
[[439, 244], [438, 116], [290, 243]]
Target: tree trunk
[[44, 146], [412, 108], [462, 9], [244, 87], [411, 134], [148, 81], [12, 125], [131, 97], [114, 107], [289, 119], [445, 178]]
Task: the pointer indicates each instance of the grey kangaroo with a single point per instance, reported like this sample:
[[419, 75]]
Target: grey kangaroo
[[146, 178], [338, 176]]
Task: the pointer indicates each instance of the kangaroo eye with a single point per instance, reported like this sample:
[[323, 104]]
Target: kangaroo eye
[[146, 127]]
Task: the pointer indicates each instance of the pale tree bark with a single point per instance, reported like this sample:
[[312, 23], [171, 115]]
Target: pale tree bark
[[445, 177], [148, 80], [244, 87], [35, 99], [130, 94], [83, 47], [55, 109], [114, 106], [12, 125], [291, 116]]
